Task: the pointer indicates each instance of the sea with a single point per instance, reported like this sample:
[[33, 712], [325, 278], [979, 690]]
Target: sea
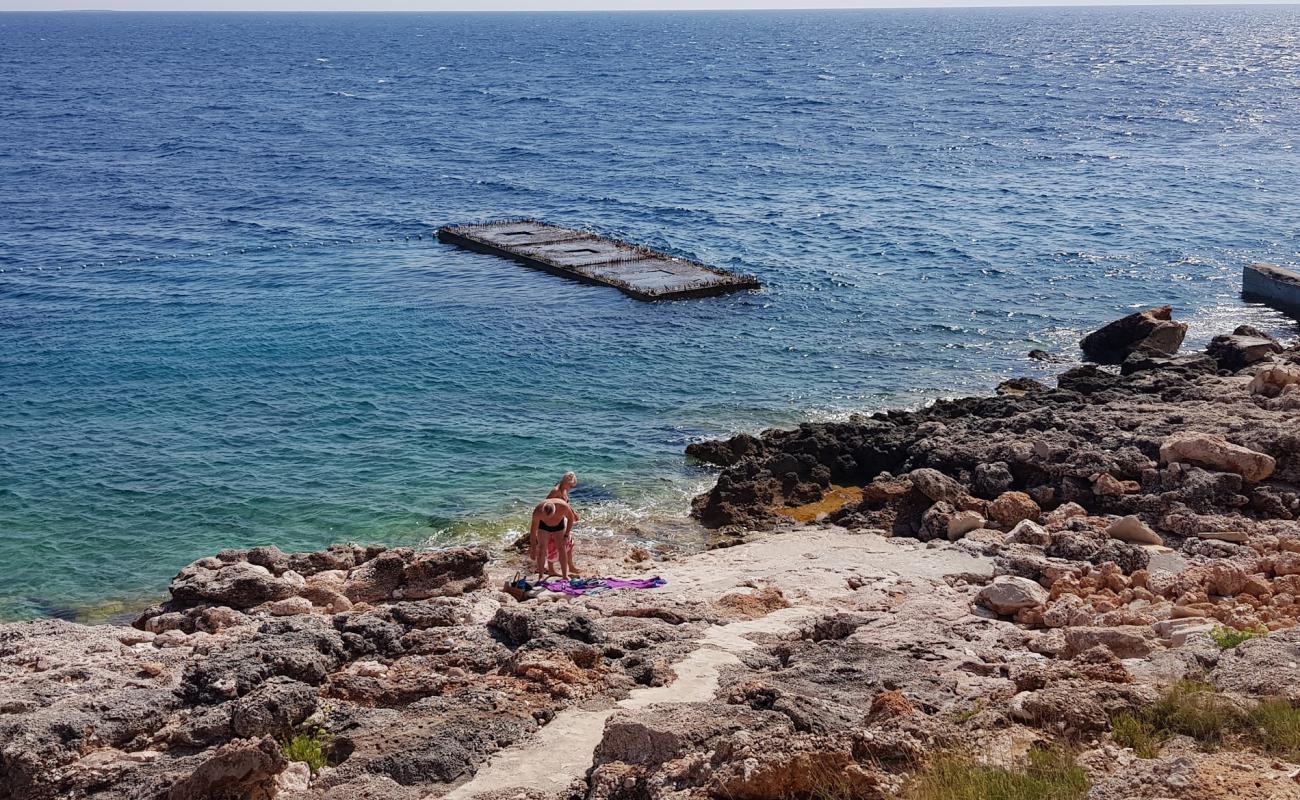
[[225, 320]]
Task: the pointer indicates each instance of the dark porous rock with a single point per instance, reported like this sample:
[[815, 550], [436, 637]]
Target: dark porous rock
[[1236, 352], [431, 742], [273, 709], [444, 573], [934, 522], [992, 479], [1078, 706], [1191, 363], [1097, 430], [724, 453], [936, 486], [1152, 331], [404, 573], [335, 557], [1018, 387], [1088, 379], [240, 770], [305, 648], [369, 634], [440, 612], [68, 688]]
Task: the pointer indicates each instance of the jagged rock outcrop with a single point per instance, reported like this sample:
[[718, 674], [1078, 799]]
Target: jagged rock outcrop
[[1151, 333]]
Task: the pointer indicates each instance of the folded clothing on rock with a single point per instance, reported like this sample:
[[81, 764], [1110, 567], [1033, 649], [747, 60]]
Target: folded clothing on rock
[[581, 586]]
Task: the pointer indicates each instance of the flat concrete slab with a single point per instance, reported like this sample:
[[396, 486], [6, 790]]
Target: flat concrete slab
[[1272, 285], [638, 271]]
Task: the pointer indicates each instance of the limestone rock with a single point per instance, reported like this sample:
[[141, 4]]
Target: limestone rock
[[962, 523], [1068, 611], [1131, 529], [1125, 641], [1029, 532], [1215, 452], [273, 709], [237, 585], [290, 606], [240, 770], [1009, 594], [1273, 379], [1152, 331]]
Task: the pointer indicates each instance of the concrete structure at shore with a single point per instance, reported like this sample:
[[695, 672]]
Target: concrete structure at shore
[[638, 271], [1272, 285]]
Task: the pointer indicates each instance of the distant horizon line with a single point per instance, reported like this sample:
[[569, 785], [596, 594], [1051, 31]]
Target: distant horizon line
[[922, 6]]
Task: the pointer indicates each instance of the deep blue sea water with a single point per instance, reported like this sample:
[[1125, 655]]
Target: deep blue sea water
[[223, 321]]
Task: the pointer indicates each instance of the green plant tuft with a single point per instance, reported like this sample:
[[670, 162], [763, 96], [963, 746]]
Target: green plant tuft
[[1139, 734], [1275, 726], [1050, 775], [311, 747], [1194, 709], [1227, 638]]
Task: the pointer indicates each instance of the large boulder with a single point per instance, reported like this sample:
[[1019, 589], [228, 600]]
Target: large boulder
[[403, 573], [1010, 593], [1011, 508], [244, 769], [1238, 352], [1273, 379], [1217, 453], [238, 585], [1152, 332], [725, 452], [445, 573]]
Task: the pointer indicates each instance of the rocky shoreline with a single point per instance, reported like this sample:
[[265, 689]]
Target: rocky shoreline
[[1047, 570]]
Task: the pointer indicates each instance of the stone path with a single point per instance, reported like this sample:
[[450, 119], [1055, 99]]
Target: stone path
[[811, 567], [562, 751]]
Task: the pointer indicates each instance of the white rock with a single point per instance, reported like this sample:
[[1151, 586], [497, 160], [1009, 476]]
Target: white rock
[[295, 778], [1029, 532], [1178, 631], [1132, 529], [1010, 593], [1215, 452], [1274, 379], [963, 522]]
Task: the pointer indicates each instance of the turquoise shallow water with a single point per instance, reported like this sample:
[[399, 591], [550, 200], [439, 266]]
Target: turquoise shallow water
[[258, 349]]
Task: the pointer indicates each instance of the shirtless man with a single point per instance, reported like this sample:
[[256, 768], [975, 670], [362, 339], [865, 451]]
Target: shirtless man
[[552, 525]]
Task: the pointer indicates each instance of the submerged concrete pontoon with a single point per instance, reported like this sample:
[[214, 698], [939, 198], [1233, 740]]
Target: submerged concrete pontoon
[[639, 271], [1272, 285]]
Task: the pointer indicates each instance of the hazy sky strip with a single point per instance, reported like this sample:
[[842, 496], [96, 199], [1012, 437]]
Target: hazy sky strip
[[545, 5]]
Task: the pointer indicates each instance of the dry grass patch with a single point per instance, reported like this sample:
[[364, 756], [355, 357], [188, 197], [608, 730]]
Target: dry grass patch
[[1049, 775]]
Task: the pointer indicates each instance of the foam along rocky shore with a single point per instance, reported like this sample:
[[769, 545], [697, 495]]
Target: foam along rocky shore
[[987, 578]]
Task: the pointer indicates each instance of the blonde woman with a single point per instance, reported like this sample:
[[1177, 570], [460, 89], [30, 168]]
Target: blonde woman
[[561, 490]]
